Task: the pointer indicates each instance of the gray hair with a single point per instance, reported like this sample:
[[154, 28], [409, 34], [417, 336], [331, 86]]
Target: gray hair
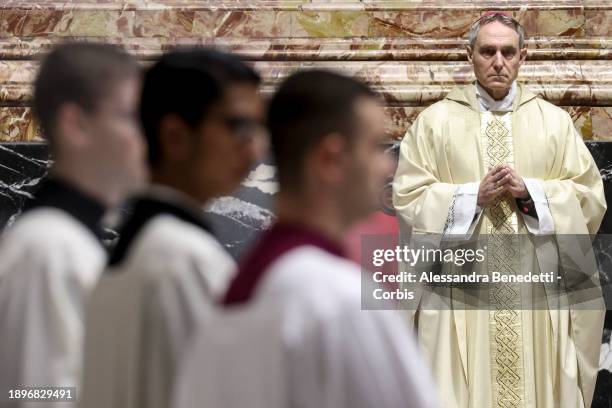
[[502, 18]]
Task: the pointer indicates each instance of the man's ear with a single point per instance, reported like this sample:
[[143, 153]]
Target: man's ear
[[327, 158], [175, 138], [470, 55], [71, 127]]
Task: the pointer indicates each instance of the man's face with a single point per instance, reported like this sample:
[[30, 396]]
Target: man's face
[[496, 58], [227, 143], [368, 166], [116, 139]]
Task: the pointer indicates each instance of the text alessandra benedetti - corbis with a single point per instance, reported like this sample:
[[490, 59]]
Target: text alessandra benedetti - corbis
[[492, 277]]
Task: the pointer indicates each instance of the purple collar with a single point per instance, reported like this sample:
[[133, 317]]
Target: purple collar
[[273, 244]]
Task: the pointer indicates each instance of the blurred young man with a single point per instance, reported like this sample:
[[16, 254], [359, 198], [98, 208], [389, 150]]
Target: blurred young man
[[294, 334], [86, 99], [202, 115]]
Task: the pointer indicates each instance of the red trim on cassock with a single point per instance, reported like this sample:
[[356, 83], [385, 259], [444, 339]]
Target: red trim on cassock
[[274, 243]]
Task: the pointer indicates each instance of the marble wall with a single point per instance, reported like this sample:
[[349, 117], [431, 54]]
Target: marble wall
[[412, 52]]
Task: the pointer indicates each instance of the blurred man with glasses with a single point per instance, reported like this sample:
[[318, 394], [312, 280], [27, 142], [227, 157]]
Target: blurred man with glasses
[[202, 116]]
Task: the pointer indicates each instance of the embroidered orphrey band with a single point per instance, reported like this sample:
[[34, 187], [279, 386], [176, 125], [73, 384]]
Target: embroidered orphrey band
[[502, 256]]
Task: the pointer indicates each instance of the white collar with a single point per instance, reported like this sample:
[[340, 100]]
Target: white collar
[[487, 103]]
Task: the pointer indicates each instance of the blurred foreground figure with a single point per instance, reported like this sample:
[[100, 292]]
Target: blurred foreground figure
[[201, 114], [293, 333], [86, 100]]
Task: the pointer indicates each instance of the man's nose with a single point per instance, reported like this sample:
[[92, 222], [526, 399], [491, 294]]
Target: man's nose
[[498, 61], [257, 146]]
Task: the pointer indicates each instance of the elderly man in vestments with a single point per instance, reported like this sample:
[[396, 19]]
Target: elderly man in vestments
[[492, 158]]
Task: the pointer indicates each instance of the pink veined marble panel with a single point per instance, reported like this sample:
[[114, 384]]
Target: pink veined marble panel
[[17, 124], [412, 52], [322, 49], [271, 23]]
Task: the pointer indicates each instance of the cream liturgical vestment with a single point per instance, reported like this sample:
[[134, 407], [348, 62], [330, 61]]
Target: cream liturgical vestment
[[505, 354]]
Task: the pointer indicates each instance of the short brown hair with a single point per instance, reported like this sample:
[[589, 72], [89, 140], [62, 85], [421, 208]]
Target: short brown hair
[[187, 82], [307, 106], [81, 73]]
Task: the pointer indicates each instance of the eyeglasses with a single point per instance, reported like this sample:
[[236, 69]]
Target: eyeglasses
[[243, 127]]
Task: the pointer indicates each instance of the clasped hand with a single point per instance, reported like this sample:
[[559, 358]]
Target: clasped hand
[[499, 179]]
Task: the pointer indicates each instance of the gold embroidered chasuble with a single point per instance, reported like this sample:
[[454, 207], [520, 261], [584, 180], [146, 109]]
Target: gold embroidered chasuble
[[507, 355]]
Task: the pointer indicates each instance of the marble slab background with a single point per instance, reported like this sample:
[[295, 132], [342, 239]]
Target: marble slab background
[[411, 52]]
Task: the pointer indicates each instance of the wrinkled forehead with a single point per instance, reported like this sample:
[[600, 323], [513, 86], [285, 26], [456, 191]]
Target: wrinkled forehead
[[497, 35]]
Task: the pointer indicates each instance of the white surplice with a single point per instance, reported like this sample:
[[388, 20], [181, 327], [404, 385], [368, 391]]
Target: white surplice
[[304, 341], [49, 262], [146, 306]]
